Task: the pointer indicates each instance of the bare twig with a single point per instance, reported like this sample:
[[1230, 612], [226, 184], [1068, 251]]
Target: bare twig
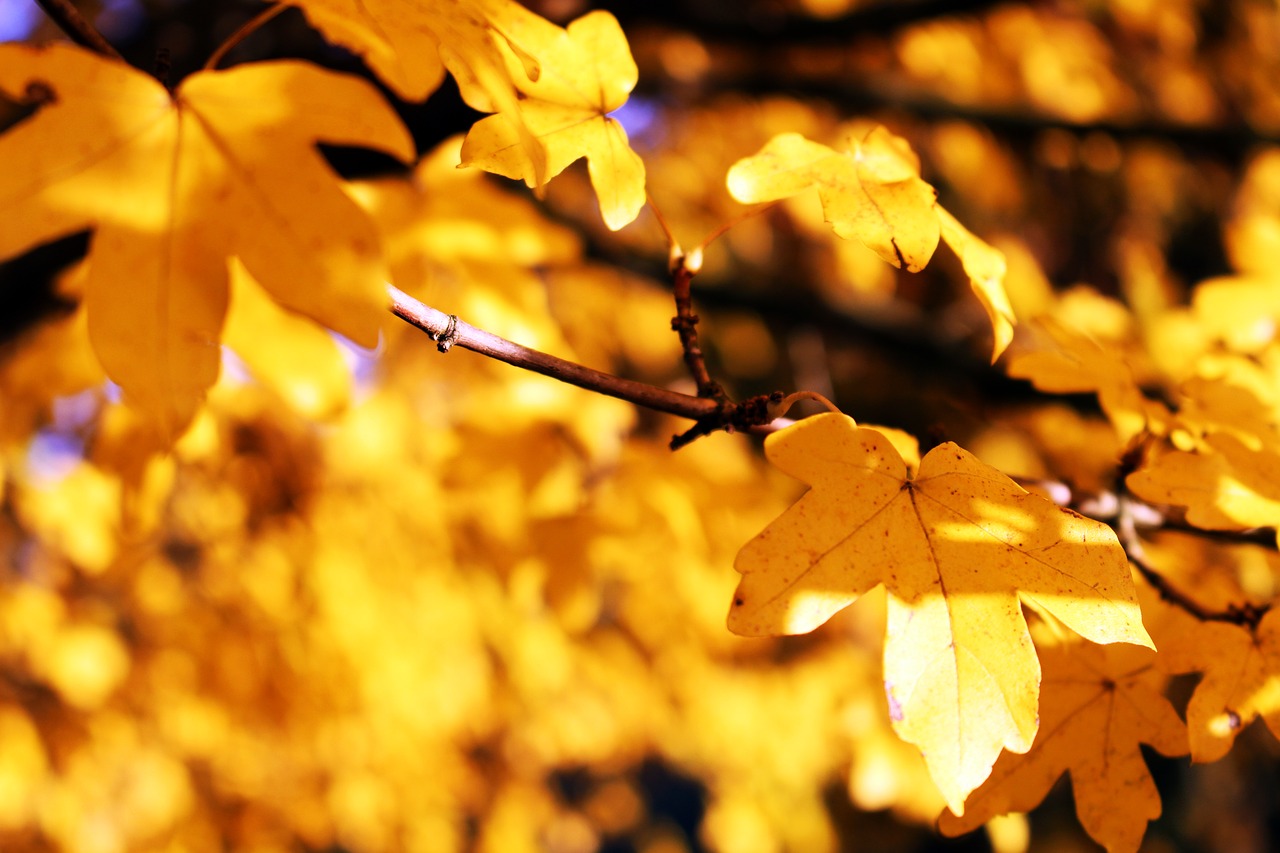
[[755, 414], [447, 330], [70, 21], [685, 323]]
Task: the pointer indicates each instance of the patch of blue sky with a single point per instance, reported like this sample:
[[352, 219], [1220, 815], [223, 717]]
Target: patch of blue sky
[[18, 19], [641, 118]]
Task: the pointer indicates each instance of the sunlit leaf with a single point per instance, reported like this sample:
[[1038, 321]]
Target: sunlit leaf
[[297, 358], [1228, 486], [957, 546], [173, 185], [587, 73], [1239, 663], [870, 192], [1071, 362], [986, 268]]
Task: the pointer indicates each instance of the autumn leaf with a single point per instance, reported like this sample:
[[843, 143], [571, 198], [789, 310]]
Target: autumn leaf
[[175, 184], [1071, 363], [1241, 668], [1097, 704], [587, 73], [986, 268], [1241, 311], [1225, 486], [957, 546], [873, 193], [297, 359]]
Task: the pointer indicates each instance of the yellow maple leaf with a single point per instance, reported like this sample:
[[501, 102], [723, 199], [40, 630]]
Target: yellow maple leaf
[[985, 265], [1097, 704], [174, 184], [1241, 680], [1226, 486], [1074, 363], [587, 73], [1239, 663], [295, 358], [410, 44], [1241, 311], [956, 547], [872, 192]]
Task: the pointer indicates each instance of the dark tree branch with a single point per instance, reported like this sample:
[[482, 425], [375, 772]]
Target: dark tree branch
[[1126, 514], [70, 21], [1246, 615], [758, 24], [685, 324]]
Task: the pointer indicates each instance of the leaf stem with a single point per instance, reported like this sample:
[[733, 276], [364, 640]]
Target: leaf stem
[[719, 232], [673, 245], [448, 331], [70, 21], [246, 29], [791, 399]]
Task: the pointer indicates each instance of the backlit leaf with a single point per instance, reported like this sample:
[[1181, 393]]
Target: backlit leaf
[[1241, 673], [174, 185], [1072, 362], [985, 266], [957, 546], [587, 73], [870, 192], [1226, 486]]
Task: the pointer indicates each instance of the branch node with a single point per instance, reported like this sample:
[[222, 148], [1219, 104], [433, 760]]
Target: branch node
[[446, 339], [731, 417]]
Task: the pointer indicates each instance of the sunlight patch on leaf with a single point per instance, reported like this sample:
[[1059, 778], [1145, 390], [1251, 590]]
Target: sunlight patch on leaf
[[957, 652]]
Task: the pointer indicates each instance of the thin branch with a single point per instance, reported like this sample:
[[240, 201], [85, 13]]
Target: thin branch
[[246, 29], [70, 21], [755, 414], [685, 324], [448, 331], [719, 232], [1246, 615]]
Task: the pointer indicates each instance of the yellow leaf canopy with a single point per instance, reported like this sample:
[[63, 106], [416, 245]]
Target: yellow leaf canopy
[[956, 546]]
